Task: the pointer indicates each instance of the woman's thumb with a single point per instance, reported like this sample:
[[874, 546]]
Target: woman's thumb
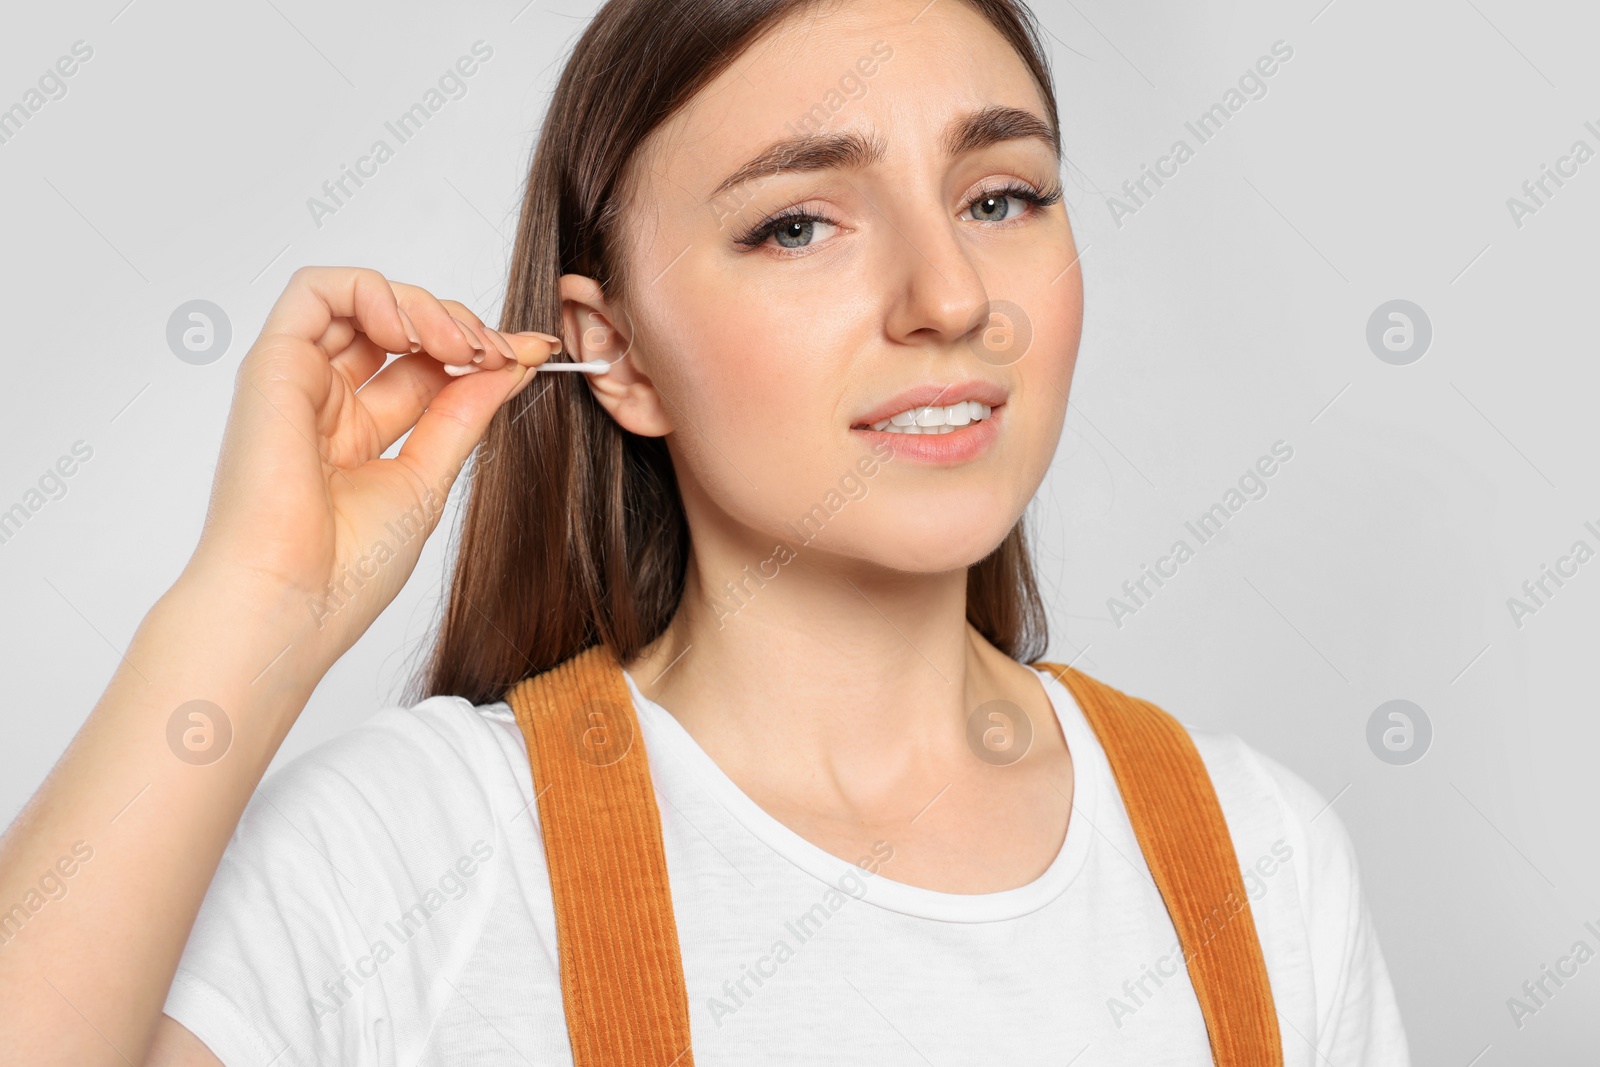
[[457, 419]]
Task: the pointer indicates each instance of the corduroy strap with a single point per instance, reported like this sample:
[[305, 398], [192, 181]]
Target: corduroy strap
[[621, 971], [1185, 840]]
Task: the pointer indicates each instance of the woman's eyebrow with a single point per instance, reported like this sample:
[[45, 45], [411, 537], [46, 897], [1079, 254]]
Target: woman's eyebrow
[[967, 132]]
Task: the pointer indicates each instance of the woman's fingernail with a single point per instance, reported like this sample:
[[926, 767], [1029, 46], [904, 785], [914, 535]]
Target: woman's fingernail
[[411, 330], [470, 335], [554, 340], [501, 343]]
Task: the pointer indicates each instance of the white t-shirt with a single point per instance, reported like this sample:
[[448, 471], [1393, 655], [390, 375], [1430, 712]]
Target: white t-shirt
[[385, 900]]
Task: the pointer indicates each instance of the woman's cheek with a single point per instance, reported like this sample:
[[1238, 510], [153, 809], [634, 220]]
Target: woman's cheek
[[736, 427]]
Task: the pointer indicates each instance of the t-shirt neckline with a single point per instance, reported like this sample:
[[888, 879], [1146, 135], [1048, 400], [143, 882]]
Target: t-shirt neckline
[[665, 737]]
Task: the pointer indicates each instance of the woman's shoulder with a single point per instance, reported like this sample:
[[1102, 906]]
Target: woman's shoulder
[[1304, 882], [379, 854], [1279, 819], [416, 774], [442, 747], [395, 799], [1271, 811], [404, 791]]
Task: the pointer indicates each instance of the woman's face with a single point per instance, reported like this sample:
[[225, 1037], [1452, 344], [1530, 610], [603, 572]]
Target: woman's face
[[916, 275]]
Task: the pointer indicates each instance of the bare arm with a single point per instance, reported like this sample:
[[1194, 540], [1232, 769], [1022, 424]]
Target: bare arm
[[133, 819]]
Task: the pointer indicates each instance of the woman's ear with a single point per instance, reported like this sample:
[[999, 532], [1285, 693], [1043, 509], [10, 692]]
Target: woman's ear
[[592, 328]]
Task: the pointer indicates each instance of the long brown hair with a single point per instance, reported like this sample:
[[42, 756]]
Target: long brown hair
[[573, 531]]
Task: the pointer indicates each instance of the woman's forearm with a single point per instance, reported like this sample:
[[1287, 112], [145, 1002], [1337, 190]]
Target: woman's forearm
[[102, 873]]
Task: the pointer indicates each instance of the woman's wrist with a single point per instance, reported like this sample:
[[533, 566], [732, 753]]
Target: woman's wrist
[[243, 643]]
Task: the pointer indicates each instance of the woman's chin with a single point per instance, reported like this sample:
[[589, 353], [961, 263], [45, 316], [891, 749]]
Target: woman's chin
[[934, 546]]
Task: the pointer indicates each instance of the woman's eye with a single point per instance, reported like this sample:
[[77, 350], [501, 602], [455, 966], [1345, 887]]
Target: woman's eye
[[996, 207], [797, 233]]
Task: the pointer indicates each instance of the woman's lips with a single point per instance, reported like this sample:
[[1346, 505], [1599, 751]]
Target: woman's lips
[[960, 445], [936, 394]]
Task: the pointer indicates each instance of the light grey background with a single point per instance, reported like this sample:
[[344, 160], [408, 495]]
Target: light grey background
[[1225, 314]]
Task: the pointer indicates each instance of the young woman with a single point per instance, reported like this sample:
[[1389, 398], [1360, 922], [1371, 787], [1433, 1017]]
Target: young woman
[[822, 248]]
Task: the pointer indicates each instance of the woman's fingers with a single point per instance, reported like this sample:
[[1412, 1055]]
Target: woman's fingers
[[316, 298], [455, 421], [444, 336], [397, 396], [355, 317], [359, 360], [494, 354], [529, 349], [333, 307]]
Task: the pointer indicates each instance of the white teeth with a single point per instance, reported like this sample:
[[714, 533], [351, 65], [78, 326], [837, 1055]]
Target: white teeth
[[935, 419]]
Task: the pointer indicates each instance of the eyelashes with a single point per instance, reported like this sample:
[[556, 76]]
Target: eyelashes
[[758, 234]]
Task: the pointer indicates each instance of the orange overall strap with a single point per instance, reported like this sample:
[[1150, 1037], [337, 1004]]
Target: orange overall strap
[[1185, 841], [621, 972]]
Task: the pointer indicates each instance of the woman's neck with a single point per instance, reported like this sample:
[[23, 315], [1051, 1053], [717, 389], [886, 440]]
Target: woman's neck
[[842, 703], [827, 679]]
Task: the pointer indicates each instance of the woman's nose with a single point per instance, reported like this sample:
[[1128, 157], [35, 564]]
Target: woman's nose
[[935, 289]]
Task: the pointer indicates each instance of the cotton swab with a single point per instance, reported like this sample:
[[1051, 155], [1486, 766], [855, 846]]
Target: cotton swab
[[594, 366]]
